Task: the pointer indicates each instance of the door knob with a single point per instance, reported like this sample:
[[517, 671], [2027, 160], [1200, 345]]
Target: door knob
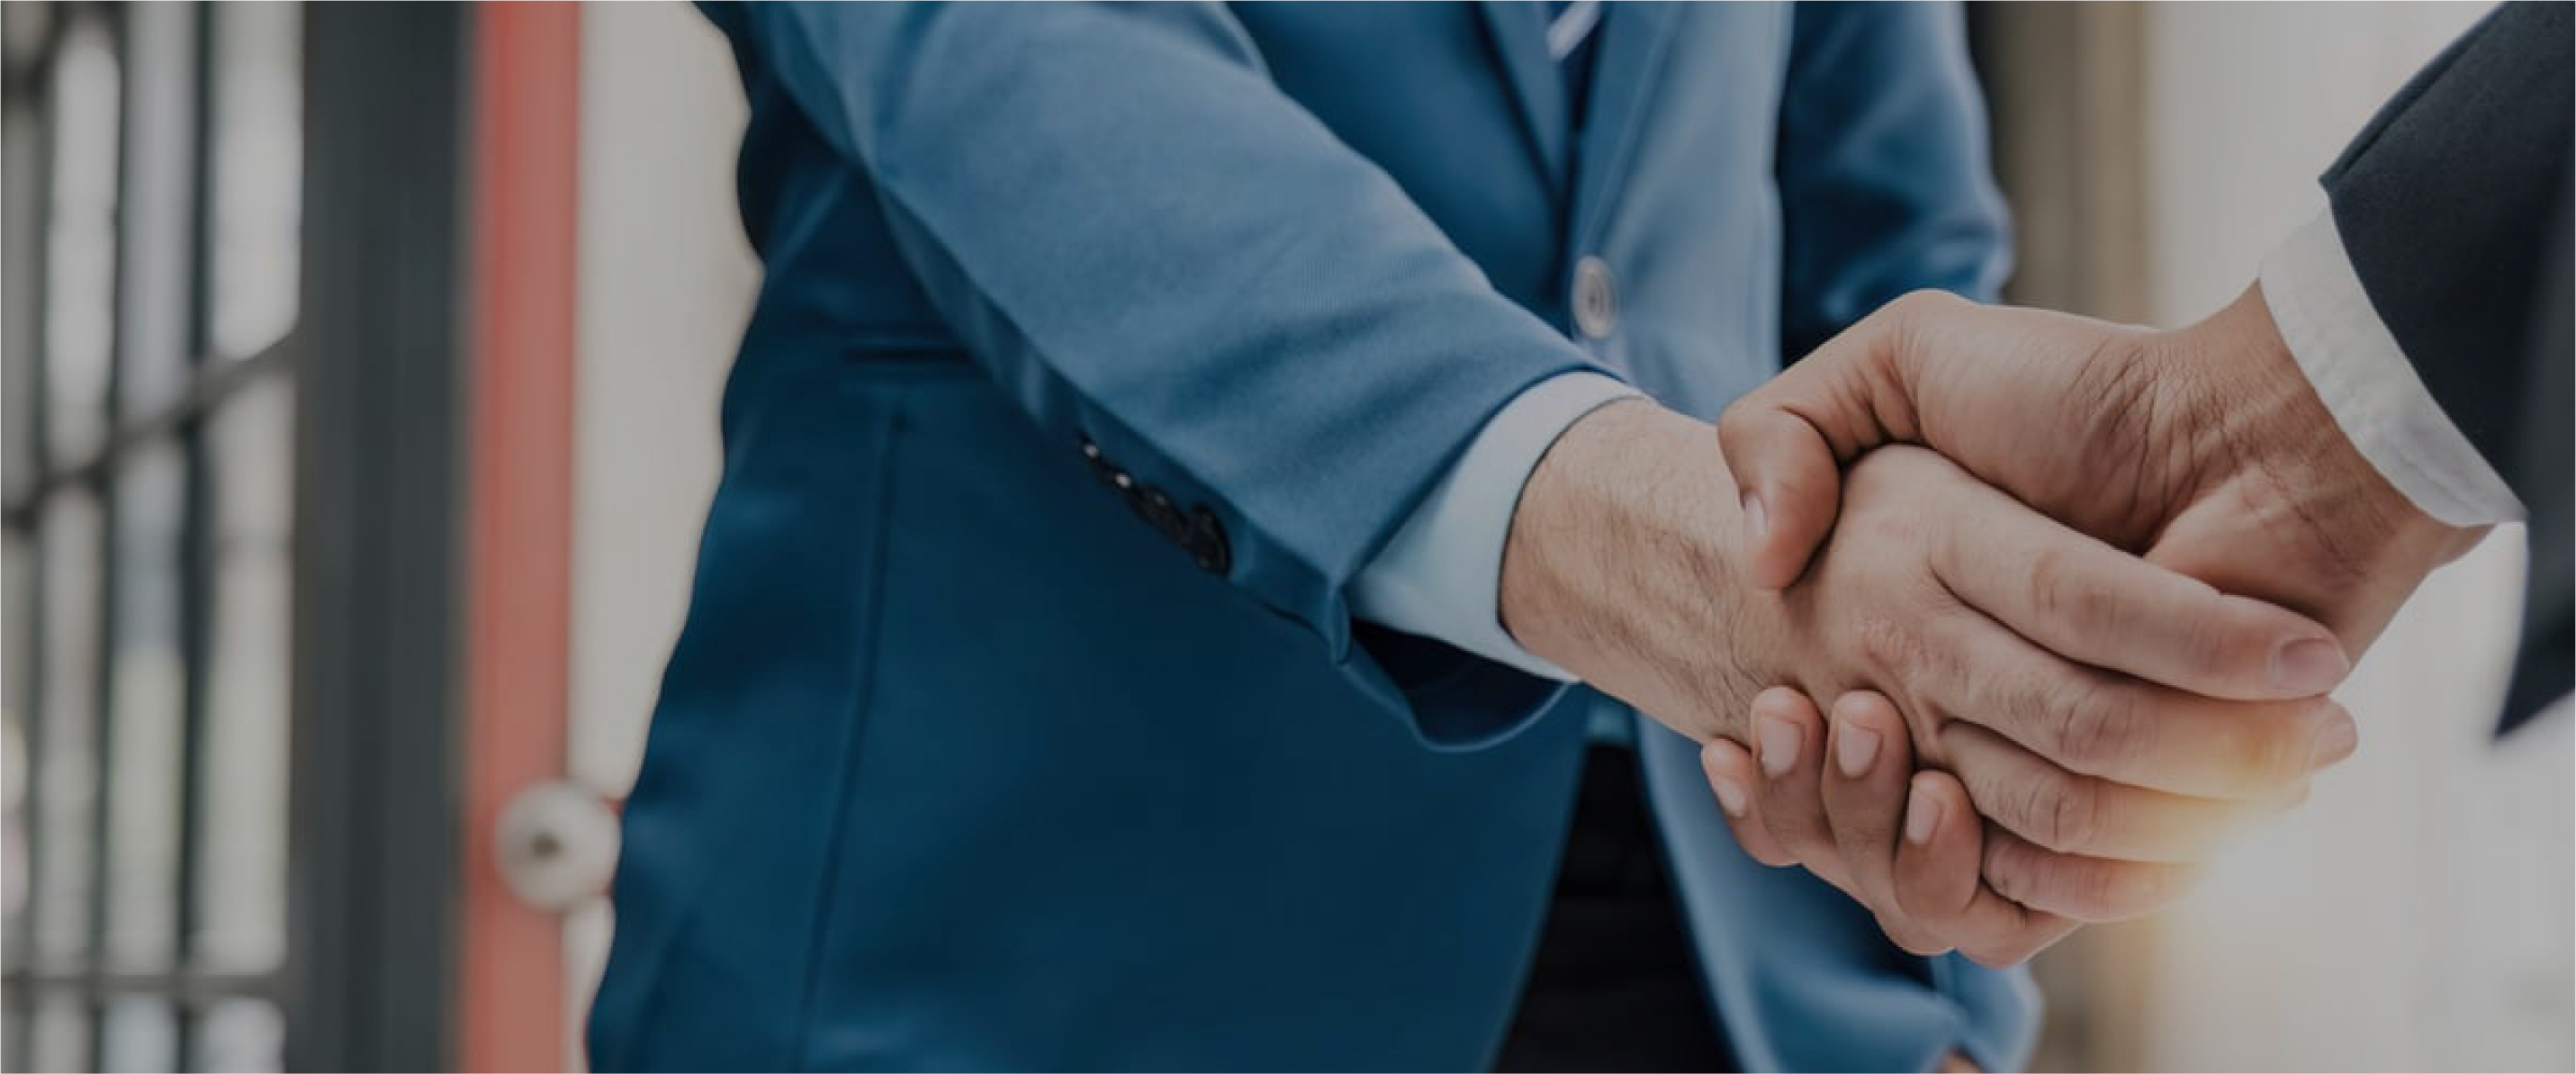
[[557, 842]]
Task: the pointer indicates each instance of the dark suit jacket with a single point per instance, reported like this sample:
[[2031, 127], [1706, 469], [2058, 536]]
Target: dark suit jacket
[[2454, 208]]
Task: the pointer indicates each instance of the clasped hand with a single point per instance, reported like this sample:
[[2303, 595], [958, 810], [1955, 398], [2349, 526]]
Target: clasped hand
[[2201, 450], [2069, 641]]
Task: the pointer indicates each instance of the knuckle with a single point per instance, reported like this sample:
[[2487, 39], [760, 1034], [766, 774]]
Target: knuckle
[[1864, 833], [2096, 727], [1923, 302], [1749, 414], [2066, 595], [2085, 889], [1798, 832], [2009, 871], [2070, 819], [2218, 644], [1920, 903], [2090, 891], [1889, 642]]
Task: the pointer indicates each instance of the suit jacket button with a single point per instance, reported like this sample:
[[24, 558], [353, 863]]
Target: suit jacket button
[[1207, 543], [1164, 515], [1098, 465], [1596, 301]]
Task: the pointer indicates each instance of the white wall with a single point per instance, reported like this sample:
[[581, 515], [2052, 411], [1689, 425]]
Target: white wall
[[666, 282], [2415, 914]]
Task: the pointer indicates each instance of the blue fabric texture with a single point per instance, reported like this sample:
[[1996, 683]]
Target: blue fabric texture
[[1020, 719]]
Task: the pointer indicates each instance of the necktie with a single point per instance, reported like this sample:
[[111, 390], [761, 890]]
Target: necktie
[[1570, 37]]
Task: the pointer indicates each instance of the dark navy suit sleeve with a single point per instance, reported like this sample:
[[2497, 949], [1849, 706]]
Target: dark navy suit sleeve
[[2446, 203], [1885, 189], [1150, 247]]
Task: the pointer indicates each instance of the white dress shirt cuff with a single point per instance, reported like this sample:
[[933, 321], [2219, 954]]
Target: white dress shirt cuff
[[2368, 385], [1441, 575]]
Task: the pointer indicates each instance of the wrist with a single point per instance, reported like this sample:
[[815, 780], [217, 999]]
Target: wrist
[[2277, 422], [2263, 445], [1622, 562], [1551, 596]]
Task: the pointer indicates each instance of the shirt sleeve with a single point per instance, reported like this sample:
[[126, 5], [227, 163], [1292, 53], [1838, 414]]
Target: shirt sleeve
[[2357, 368], [1441, 575]]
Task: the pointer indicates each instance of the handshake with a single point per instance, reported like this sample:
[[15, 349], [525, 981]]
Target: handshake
[[2072, 594]]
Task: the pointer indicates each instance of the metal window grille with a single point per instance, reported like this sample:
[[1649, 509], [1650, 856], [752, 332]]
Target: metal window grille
[[150, 157]]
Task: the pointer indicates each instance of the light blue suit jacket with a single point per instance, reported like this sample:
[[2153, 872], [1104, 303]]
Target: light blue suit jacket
[[1020, 719]]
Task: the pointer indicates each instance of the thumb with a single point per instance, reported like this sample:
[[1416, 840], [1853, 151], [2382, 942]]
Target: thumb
[[1786, 441], [1789, 483]]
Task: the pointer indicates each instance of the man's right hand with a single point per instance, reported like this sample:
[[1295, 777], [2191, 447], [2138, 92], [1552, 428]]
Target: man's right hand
[[2082, 707], [2202, 448]]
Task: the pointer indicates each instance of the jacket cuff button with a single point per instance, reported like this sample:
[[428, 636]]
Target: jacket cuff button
[[1208, 546]]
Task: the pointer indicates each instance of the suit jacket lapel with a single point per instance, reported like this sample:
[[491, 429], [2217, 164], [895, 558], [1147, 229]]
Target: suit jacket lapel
[[1518, 30], [1635, 40]]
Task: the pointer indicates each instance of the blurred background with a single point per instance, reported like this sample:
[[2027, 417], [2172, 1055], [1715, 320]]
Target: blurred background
[[361, 367]]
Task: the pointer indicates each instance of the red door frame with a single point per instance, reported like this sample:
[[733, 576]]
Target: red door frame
[[510, 1002]]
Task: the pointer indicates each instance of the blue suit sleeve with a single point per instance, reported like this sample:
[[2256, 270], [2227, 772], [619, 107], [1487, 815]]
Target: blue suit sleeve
[[1150, 247], [1885, 189]]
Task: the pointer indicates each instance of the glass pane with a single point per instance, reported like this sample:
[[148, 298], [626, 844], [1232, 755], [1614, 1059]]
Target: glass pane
[[81, 241], [241, 889], [160, 172], [258, 160], [144, 696], [22, 220], [62, 1035], [69, 722], [243, 1035], [139, 1033], [17, 656]]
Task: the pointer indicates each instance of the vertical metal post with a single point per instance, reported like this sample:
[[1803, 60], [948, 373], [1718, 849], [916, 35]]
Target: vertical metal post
[[377, 545]]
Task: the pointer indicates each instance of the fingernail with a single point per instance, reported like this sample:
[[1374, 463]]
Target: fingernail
[[1730, 795], [1779, 743], [2335, 741], [1854, 748], [1757, 522], [2309, 666], [1922, 816]]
